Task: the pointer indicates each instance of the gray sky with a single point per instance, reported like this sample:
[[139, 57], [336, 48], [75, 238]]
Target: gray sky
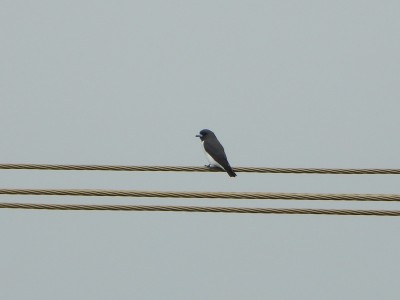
[[281, 83]]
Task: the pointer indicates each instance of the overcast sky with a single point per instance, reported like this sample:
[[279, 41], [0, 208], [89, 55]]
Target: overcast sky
[[281, 83]]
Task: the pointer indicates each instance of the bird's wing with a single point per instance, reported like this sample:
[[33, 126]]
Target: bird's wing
[[217, 152]]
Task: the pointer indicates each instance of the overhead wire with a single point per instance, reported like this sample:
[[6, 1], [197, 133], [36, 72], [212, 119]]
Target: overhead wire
[[195, 169], [242, 210], [204, 195], [208, 195]]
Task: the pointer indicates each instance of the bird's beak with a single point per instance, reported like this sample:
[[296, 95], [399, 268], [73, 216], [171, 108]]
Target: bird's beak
[[199, 135]]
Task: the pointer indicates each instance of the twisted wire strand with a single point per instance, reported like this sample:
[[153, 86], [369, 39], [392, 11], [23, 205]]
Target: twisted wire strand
[[195, 169], [208, 195], [243, 210]]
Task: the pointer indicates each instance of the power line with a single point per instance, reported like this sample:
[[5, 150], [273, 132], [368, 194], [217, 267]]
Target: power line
[[209, 195], [195, 169], [347, 212]]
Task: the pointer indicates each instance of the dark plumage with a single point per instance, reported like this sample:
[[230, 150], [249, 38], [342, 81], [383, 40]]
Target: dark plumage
[[214, 151]]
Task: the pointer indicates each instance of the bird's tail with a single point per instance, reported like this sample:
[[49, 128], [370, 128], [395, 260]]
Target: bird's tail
[[230, 172]]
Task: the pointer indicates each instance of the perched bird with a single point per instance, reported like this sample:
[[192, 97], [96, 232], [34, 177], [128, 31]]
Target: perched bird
[[214, 151]]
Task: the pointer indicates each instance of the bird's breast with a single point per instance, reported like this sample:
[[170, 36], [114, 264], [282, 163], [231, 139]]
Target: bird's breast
[[210, 159]]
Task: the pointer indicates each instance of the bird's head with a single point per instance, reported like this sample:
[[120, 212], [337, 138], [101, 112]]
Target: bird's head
[[204, 134]]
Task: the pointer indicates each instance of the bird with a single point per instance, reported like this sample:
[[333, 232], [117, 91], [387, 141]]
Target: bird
[[214, 152]]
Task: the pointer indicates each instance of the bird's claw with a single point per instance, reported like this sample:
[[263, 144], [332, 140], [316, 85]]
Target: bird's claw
[[210, 166]]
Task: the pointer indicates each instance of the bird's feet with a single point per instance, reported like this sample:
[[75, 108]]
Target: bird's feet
[[210, 166]]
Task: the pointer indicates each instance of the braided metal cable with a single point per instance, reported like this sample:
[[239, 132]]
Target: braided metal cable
[[208, 195], [348, 212], [195, 169]]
